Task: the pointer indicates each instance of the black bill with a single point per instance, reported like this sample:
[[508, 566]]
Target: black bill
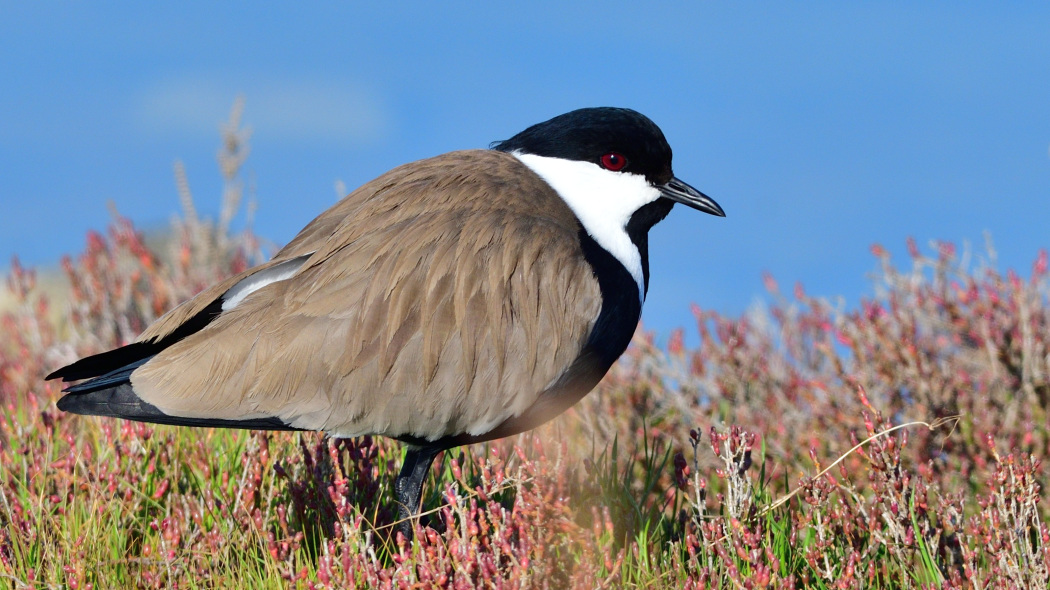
[[680, 192]]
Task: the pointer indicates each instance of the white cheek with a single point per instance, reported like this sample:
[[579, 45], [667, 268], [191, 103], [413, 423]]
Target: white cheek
[[602, 200]]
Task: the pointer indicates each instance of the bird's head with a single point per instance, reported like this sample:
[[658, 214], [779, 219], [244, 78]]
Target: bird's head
[[615, 140]]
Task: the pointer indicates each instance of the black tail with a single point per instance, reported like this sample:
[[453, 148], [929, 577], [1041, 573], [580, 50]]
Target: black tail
[[109, 392], [112, 395], [120, 401], [136, 352], [111, 360]]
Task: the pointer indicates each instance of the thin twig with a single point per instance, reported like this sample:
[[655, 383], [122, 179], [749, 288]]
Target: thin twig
[[938, 423]]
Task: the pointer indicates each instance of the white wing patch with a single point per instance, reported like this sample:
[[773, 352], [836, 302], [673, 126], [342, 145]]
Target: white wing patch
[[252, 283], [602, 200]]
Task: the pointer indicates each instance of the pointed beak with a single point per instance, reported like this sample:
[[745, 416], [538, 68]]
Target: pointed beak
[[680, 192]]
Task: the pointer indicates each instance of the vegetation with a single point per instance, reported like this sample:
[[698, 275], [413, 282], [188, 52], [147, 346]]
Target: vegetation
[[706, 467]]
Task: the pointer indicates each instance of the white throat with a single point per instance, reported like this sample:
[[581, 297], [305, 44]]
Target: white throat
[[602, 200]]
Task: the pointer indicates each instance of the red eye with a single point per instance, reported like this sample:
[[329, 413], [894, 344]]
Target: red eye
[[613, 161]]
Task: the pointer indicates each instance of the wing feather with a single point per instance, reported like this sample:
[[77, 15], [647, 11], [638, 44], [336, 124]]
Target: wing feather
[[432, 305]]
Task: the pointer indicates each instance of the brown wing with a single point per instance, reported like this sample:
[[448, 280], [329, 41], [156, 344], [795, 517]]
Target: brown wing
[[433, 304]]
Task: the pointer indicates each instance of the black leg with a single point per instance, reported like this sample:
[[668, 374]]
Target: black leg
[[409, 485]]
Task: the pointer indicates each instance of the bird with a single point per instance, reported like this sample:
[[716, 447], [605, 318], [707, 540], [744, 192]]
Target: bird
[[452, 300]]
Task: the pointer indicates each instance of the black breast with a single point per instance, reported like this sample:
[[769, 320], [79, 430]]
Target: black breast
[[621, 306]]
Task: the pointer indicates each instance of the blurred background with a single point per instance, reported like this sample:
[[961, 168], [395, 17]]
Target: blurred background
[[820, 128]]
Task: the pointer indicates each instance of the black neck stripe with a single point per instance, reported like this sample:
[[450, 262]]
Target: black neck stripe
[[621, 306]]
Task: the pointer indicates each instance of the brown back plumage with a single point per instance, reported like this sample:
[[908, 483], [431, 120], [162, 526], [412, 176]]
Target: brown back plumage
[[433, 303]]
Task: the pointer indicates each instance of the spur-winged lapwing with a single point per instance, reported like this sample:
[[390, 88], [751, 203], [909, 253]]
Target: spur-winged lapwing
[[453, 300]]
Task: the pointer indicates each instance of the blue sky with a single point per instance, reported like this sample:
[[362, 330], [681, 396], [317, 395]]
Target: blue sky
[[821, 128]]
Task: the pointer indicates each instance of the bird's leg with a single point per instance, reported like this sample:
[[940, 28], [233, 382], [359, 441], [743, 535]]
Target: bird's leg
[[409, 485]]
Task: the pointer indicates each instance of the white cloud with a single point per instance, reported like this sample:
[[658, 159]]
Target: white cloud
[[297, 110]]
